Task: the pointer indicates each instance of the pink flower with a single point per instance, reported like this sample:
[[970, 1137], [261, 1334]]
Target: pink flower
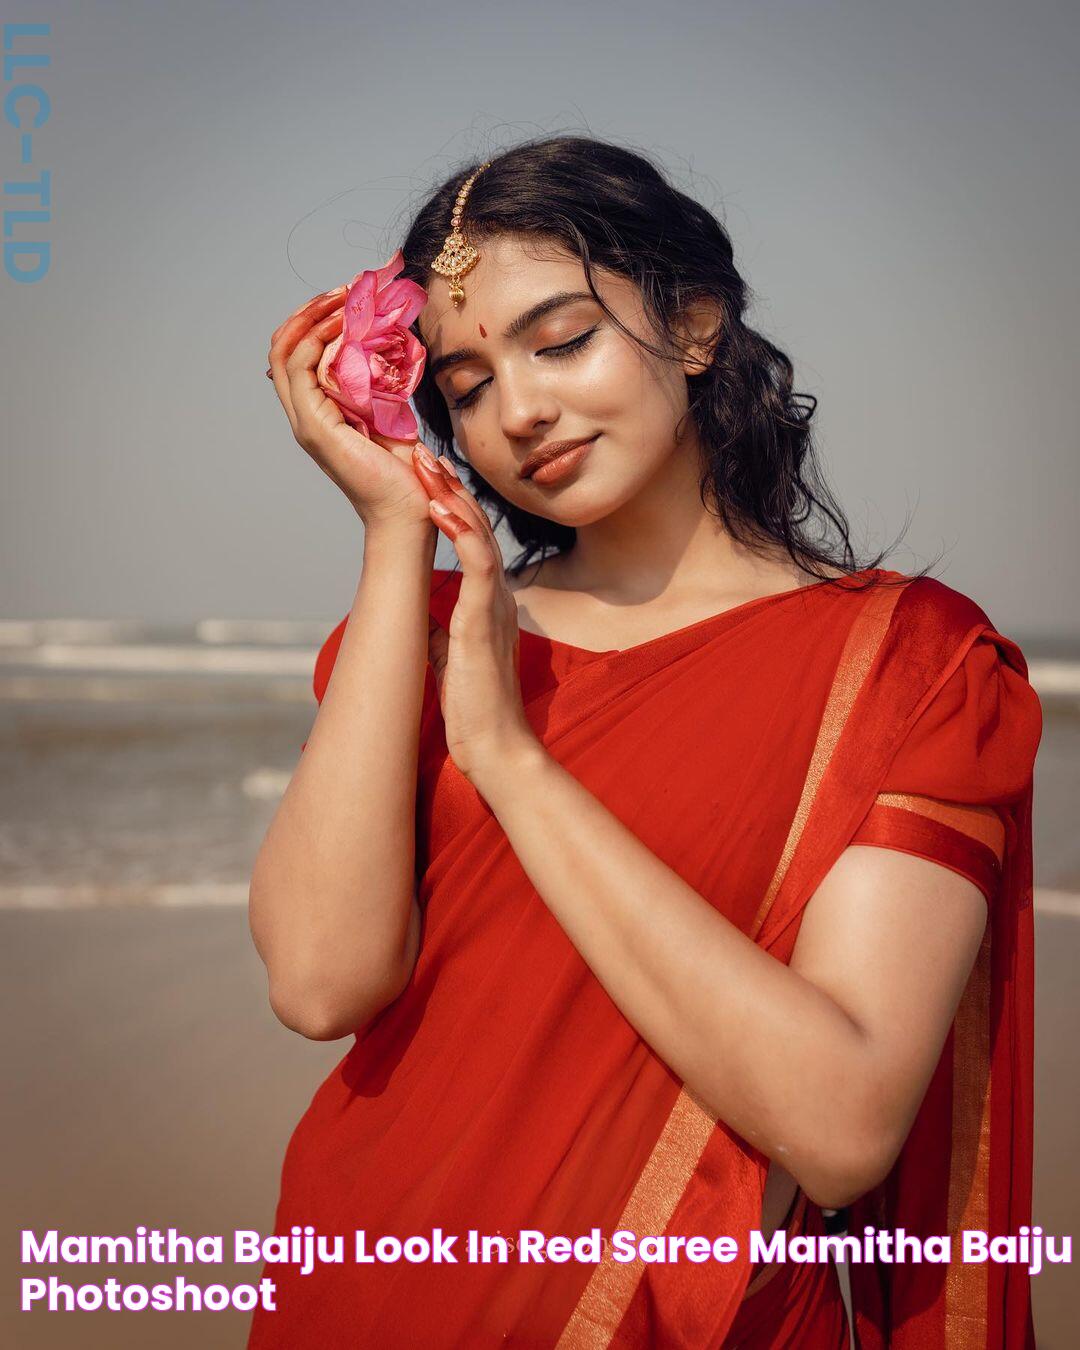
[[372, 368]]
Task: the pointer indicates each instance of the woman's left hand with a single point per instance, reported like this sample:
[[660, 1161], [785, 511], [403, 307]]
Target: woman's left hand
[[476, 663]]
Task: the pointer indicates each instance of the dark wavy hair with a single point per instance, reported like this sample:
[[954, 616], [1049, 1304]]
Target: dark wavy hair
[[612, 208]]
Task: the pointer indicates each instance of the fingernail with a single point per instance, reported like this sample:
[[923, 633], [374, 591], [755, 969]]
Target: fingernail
[[440, 510], [427, 459], [269, 373], [449, 468]]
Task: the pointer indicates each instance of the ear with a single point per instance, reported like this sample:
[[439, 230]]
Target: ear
[[699, 327]]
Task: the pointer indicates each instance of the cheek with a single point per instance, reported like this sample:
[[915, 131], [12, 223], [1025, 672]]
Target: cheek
[[635, 396], [487, 456], [603, 388]]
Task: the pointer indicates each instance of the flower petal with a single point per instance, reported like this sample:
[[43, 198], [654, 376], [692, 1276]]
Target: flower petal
[[394, 418], [399, 303], [385, 274], [353, 373], [359, 308], [413, 365], [355, 420], [323, 373]]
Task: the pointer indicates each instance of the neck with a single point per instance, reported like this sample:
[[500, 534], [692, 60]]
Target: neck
[[664, 542]]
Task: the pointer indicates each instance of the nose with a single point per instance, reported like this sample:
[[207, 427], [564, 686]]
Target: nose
[[526, 406]]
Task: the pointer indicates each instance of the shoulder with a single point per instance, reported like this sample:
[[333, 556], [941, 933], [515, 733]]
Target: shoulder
[[911, 628], [930, 612], [926, 601], [979, 702]]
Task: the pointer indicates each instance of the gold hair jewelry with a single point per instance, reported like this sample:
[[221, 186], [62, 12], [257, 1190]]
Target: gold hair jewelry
[[458, 256]]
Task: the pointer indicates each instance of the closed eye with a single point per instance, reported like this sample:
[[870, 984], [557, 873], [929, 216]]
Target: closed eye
[[552, 353]]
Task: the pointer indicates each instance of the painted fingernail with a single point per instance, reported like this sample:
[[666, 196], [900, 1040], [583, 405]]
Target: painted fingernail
[[269, 373], [449, 469], [427, 459]]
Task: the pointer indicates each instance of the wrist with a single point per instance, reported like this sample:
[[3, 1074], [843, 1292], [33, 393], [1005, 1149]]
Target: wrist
[[518, 759], [397, 537]]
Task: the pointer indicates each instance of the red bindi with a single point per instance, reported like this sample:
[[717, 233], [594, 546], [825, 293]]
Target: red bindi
[[483, 331]]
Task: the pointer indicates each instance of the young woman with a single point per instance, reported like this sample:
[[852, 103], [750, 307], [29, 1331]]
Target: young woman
[[675, 880]]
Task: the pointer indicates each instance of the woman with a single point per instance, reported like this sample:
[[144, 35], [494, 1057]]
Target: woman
[[674, 881]]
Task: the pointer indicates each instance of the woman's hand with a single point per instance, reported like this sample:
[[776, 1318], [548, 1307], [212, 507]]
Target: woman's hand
[[476, 663], [376, 475]]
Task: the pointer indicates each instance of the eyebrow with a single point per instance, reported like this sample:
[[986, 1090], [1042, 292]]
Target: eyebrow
[[514, 329]]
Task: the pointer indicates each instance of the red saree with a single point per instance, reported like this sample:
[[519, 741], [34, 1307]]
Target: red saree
[[504, 1090]]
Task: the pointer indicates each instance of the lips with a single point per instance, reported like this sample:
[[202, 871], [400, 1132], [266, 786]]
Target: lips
[[562, 466], [546, 453]]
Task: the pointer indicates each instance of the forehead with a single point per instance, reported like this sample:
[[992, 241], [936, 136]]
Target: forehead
[[511, 275]]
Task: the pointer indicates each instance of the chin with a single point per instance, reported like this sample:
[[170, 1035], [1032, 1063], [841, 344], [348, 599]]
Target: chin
[[592, 502], [582, 502], [586, 514], [579, 518]]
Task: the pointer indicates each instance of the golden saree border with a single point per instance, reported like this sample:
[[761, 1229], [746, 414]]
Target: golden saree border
[[652, 1202], [675, 1157], [971, 839], [967, 1161], [966, 1284], [961, 849], [860, 649], [981, 823]]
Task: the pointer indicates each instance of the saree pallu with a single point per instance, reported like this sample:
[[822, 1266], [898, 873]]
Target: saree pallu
[[505, 1091]]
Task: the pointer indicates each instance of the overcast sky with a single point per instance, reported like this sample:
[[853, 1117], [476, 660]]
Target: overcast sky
[[900, 182]]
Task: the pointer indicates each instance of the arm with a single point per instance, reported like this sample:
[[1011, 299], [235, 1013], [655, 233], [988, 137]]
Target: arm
[[821, 1065], [332, 907]]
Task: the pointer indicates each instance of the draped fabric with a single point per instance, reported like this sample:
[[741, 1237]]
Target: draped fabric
[[800, 1305], [505, 1091]]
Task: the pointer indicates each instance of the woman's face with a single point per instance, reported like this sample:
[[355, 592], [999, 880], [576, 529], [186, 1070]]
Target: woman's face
[[516, 381]]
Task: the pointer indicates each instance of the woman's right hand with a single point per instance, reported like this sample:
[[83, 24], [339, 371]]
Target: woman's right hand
[[376, 475]]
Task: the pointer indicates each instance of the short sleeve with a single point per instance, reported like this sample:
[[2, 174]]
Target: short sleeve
[[968, 756]]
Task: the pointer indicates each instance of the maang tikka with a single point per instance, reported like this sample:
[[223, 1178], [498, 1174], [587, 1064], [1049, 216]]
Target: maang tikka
[[458, 256]]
